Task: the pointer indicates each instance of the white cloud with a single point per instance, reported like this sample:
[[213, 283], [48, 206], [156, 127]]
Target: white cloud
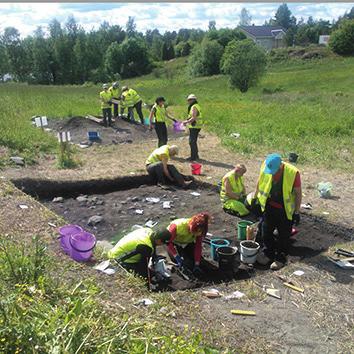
[[26, 17]]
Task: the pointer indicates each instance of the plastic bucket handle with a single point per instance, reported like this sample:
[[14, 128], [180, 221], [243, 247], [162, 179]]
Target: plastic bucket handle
[[82, 251]]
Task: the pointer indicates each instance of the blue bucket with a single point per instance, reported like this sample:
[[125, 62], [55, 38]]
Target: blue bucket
[[93, 136], [215, 244], [146, 121]]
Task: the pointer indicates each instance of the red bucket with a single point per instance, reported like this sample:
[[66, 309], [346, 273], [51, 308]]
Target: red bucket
[[196, 168]]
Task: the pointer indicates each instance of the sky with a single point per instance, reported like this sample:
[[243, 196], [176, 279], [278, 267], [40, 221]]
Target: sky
[[26, 17]]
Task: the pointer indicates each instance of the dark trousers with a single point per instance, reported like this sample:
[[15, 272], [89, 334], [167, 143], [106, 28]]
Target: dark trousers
[[161, 131], [138, 107], [193, 138], [140, 268], [155, 170], [276, 247], [107, 116], [115, 110]]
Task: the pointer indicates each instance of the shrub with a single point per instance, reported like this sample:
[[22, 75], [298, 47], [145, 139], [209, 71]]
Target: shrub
[[244, 62], [342, 40], [205, 58]]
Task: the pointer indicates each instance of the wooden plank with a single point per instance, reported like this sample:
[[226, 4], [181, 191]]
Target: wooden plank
[[95, 119]]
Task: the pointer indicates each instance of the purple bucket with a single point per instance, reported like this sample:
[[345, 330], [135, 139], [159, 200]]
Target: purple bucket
[[65, 233], [81, 246], [178, 127]]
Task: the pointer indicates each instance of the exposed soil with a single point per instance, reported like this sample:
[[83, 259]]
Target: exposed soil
[[121, 132], [119, 211]]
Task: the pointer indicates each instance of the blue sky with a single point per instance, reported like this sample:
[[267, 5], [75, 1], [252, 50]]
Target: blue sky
[[164, 16]]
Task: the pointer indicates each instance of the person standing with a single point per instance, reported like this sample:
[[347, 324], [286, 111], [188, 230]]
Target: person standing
[[195, 122], [114, 90], [105, 98], [279, 195], [233, 192], [159, 112], [132, 100], [185, 245]]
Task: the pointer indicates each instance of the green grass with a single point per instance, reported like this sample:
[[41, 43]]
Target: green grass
[[311, 113]]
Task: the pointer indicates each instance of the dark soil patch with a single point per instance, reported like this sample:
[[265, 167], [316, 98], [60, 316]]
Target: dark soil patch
[[121, 132], [118, 209]]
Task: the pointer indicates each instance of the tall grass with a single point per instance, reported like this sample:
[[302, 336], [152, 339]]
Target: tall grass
[[311, 110]]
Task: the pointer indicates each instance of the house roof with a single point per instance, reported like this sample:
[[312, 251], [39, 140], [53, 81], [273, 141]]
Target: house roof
[[263, 31]]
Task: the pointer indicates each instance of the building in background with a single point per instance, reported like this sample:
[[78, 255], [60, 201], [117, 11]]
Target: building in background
[[324, 39], [269, 37]]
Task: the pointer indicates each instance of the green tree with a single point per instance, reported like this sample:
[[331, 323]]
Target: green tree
[[342, 40], [4, 62], [136, 58], [212, 25], [245, 17], [244, 62], [114, 60], [18, 58], [156, 47], [81, 58], [205, 58], [183, 49], [131, 27], [283, 16]]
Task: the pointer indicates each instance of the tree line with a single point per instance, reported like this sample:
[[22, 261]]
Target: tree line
[[67, 54]]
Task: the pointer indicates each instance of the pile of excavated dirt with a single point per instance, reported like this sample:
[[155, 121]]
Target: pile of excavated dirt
[[121, 132]]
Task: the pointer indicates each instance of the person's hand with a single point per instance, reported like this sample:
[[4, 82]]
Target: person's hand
[[179, 261], [150, 127], [197, 271], [296, 218], [185, 122]]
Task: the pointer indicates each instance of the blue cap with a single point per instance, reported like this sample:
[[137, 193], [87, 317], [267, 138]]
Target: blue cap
[[272, 164]]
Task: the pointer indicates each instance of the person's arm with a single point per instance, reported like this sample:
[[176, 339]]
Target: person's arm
[[144, 250], [152, 113], [298, 193], [228, 191], [164, 161], [193, 118], [170, 246], [170, 116], [198, 251]]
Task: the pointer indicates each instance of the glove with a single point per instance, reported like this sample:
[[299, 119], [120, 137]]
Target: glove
[[179, 261], [197, 271], [296, 218]]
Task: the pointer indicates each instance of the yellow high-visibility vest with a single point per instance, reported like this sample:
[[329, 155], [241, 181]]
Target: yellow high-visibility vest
[[199, 123], [237, 185], [265, 186], [160, 113], [114, 92], [157, 154], [183, 235], [105, 97], [129, 243]]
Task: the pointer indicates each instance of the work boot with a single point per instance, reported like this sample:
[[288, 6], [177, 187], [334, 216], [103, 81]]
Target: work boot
[[276, 265], [263, 259]]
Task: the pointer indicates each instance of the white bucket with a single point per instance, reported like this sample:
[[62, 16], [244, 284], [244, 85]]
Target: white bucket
[[248, 254]]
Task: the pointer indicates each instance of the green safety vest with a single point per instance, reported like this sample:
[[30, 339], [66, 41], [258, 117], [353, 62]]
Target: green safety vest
[[114, 92], [156, 155], [265, 187], [129, 243], [105, 98], [160, 113], [200, 121], [237, 185], [184, 236]]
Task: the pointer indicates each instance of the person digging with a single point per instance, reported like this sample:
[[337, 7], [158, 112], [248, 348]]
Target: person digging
[[185, 245], [233, 192], [279, 196], [105, 98], [134, 250], [161, 171]]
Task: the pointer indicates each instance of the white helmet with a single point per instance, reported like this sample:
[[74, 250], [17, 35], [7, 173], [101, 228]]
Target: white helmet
[[125, 88], [105, 86], [192, 97], [115, 84]]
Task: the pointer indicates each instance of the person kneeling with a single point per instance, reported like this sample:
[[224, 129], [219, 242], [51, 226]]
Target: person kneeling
[[158, 168], [134, 250], [185, 245], [233, 192]]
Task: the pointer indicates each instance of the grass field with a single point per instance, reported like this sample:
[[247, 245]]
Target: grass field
[[306, 107]]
